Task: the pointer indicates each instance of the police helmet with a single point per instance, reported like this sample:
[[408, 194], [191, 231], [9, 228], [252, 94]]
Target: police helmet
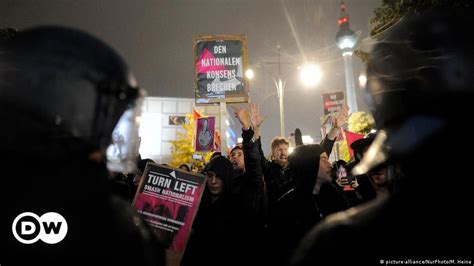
[[76, 86]]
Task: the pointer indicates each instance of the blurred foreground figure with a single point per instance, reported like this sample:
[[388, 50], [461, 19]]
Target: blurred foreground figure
[[64, 95], [420, 85]]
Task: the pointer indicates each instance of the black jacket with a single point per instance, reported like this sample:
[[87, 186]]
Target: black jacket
[[218, 231], [55, 176], [427, 216], [226, 228], [278, 180], [294, 213], [249, 185]]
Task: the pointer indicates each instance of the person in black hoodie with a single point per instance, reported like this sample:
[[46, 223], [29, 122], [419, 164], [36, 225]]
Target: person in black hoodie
[[218, 229], [313, 198]]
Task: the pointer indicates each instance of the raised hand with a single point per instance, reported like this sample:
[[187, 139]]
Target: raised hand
[[243, 116], [341, 118], [255, 119]]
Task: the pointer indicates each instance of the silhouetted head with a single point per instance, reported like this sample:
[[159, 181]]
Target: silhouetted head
[[420, 78], [309, 163], [61, 83]]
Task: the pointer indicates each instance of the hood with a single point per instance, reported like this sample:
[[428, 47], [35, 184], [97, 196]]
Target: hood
[[304, 163], [223, 168]]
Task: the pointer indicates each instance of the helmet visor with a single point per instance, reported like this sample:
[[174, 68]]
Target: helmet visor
[[122, 153]]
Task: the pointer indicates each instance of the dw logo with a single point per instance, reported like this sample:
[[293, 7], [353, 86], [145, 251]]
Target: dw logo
[[51, 228]]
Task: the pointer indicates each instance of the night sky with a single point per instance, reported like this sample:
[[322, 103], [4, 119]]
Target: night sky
[[155, 38]]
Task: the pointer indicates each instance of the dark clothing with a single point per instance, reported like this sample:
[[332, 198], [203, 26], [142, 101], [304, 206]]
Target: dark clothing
[[253, 198], [249, 185], [121, 189], [279, 180], [295, 215], [286, 215], [361, 194], [304, 163], [327, 145], [62, 95], [55, 176], [427, 217], [305, 211], [227, 228], [365, 191], [330, 200], [218, 233], [420, 113], [296, 212]]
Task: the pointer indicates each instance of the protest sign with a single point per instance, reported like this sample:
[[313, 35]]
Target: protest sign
[[205, 132], [333, 102], [168, 199], [219, 64]]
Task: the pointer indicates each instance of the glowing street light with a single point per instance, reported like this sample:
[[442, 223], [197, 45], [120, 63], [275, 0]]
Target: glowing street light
[[310, 75], [249, 74]]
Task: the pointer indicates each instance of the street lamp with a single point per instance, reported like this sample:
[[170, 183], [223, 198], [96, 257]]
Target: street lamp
[[280, 85], [310, 75], [346, 41]]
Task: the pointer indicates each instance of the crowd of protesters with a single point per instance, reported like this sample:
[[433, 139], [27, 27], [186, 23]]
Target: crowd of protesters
[[64, 92]]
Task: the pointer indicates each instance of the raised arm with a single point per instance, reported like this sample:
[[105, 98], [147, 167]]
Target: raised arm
[[256, 121], [250, 132], [328, 142], [253, 178]]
